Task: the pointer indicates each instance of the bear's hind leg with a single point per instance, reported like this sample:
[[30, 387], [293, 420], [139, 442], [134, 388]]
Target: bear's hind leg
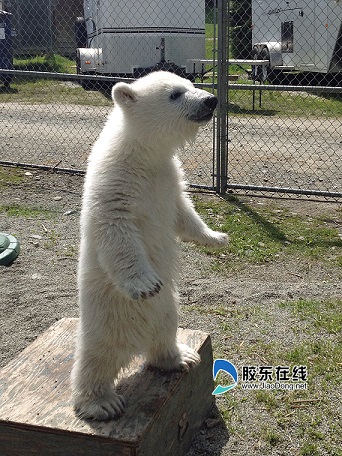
[[93, 378], [164, 352]]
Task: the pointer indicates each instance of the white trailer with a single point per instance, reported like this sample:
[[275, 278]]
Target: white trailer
[[301, 35], [128, 38]]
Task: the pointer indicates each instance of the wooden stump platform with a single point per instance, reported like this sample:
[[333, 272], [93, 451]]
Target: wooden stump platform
[[164, 410]]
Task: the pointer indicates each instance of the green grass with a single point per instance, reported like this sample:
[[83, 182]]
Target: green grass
[[310, 416], [296, 104], [260, 235], [18, 210], [35, 90], [48, 62], [327, 315], [49, 91], [10, 176]]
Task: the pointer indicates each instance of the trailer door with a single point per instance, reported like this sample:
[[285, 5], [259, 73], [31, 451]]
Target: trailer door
[[322, 22], [304, 35]]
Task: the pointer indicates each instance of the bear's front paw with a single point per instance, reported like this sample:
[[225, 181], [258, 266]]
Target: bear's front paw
[[106, 407], [142, 285], [216, 239]]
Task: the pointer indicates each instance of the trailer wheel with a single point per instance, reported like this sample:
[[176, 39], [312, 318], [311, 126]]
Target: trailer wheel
[[7, 82], [88, 84], [80, 32]]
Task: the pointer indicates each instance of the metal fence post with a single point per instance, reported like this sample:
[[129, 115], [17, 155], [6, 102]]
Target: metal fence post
[[222, 95]]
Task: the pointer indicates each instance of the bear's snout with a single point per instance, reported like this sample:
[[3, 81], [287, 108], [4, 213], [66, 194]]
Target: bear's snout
[[204, 109], [211, 102]]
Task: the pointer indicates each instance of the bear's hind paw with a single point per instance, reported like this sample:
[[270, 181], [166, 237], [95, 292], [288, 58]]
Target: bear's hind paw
[[184, 358], [188, 357], [101, 408]]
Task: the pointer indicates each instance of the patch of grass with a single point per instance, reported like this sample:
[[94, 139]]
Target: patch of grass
[[323, 358], [294, 333], [326, 315], [54, 63], [52, 240], [271, 436], [35, 91], [268, 399], [309, 449], [296, 104], [266, 234], [17, 210], [10, 176]]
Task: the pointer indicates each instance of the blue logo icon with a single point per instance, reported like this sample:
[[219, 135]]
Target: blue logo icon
[[229, 368]]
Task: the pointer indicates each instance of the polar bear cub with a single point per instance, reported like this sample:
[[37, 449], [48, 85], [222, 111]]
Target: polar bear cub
[[134, 209]]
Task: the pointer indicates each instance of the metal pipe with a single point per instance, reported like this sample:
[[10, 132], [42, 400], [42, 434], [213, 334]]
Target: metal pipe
[[284, 88], [42, 167], [297, 191], [252, 87], [78, 77], [222, 91]]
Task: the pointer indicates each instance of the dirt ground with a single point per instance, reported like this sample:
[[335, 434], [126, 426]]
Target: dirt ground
[[268, 151], [40, 286]]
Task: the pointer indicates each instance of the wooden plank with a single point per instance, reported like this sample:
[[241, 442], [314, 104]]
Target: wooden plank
[[164, 410]]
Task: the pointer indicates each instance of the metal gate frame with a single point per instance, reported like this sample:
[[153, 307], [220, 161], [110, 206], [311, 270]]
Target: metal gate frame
[[223, 87]]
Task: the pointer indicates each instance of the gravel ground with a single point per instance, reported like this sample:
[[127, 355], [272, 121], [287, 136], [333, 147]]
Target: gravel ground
[[40, 287], [263, 150]]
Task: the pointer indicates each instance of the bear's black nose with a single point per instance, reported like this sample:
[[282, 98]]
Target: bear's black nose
[[211, 102]]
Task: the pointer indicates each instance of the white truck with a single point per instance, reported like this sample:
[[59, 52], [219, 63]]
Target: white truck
[[297, 35], [128, 38]]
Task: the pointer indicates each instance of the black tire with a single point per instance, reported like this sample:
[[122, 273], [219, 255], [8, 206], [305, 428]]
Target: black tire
[[7, 81], [80, 32], [88, 84]]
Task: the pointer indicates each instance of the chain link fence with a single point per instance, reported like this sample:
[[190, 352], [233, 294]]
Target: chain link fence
[[286, 136], [275, 66]]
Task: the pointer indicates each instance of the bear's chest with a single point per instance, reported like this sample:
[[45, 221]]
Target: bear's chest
[[156, 206]]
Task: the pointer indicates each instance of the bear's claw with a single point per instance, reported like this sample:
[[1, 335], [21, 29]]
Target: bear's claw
[[143, 286], [101, 409]]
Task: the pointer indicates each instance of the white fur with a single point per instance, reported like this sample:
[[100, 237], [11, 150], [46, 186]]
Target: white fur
[[134, 208]]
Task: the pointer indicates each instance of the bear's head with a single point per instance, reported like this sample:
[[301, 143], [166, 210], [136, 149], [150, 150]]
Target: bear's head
[[163, 109]]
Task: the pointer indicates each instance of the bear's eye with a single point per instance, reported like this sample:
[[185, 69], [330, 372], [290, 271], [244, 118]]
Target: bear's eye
[[176, 94]]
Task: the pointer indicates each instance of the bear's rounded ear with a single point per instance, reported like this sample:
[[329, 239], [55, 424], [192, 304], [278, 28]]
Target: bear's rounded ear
[[123, 94]]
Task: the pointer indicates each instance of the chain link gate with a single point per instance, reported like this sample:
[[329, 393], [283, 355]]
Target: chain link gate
[[284, 121], [285, 114]]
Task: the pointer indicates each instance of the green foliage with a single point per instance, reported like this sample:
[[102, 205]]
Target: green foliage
[[241, 28], [48, 62]]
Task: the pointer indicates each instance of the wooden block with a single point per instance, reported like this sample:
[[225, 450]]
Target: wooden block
[[164, 410]]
